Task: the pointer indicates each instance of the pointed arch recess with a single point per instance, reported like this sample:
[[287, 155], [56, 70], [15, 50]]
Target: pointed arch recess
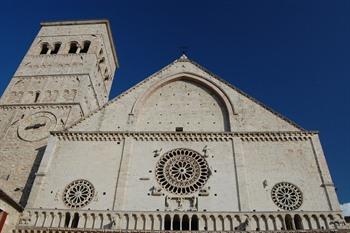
[[185, 76]]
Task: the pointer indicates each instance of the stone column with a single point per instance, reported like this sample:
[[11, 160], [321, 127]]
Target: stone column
[[42, 171], [240, 173], [122, 173], [82, 220], [56, 220], [171, 222], [325, 176]]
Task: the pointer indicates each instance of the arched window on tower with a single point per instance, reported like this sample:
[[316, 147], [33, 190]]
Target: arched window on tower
[[74, 46], [44, 48], [86, 47], [56, 48]]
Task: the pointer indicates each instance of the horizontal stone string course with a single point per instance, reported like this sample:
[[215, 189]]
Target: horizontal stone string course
[[50, 60], [38, 106], [66, 220], [188, 136], [45, 76]]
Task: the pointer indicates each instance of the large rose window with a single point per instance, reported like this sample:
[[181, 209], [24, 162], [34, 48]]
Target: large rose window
[[182, 171]]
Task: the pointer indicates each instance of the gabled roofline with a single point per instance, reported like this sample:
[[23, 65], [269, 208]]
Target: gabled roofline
[[118, 96], [246, 95], [181, 59], [87, 22]]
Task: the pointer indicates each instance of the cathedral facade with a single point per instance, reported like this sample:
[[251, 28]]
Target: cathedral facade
[[182, 150]]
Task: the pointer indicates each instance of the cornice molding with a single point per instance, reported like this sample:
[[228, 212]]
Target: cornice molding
[[50, 76], [184, 136], [39, 106]]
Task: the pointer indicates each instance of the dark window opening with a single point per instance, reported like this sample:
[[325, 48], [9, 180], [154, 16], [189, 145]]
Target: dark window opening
[[176, 222], [167, 222], [347, 219], [56, 48], [85, 47], [73, 47], [298, 222], [194, 223], [185, 223], [179, 129], [289, 222], [37, 94], [44, 48], [75, 220], [67, 220]]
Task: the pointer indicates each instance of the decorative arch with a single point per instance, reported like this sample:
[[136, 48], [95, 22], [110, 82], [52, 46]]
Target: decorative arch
[[289, 222], [192, 78], [298, 222]]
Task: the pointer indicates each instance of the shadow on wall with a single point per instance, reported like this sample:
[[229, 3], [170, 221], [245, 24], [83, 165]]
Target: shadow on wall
[[27, 188]]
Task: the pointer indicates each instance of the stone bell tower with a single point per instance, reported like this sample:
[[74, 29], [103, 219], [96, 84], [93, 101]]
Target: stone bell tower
[[66, 74]]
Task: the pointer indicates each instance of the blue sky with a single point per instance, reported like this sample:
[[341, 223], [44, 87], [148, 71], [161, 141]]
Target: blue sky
[[292, 55]]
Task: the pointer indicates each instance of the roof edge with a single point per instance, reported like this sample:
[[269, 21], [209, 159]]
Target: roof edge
[[87, 22], [189, 132], [245, 94], [184, 58]]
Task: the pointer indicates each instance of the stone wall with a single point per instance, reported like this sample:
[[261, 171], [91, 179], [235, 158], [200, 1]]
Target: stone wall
[[53, 87], [242, 172]]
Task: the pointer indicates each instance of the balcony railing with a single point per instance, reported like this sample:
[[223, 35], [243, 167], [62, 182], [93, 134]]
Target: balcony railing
[[44, 220]]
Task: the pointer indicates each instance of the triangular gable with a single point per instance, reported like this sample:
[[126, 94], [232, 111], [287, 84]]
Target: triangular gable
[[247, 113]]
